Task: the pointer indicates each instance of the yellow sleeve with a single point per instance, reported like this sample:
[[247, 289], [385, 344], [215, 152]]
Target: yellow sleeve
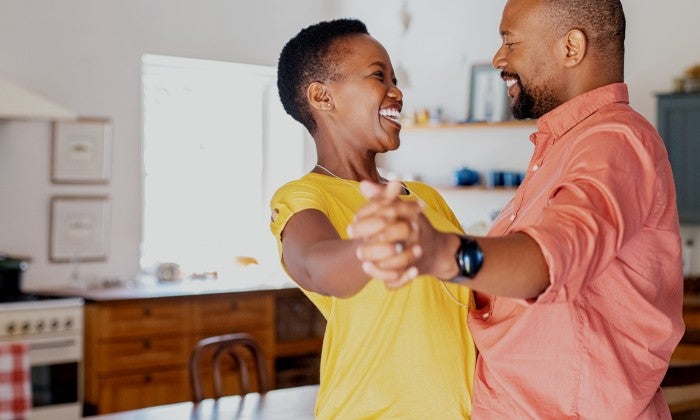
[[292, 198]]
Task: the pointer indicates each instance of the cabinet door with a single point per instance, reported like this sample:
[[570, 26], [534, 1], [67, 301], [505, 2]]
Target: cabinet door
[[139, 353], [129, 392], [679, 126], [229, 313], [143, 317]]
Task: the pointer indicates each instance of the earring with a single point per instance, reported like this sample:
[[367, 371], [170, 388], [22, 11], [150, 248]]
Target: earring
[[330, 105]]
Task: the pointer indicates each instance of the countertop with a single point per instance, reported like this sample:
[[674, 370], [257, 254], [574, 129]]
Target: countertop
[[240, 280], [243, 280]]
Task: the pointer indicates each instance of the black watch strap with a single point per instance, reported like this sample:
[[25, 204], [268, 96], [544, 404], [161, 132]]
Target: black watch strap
[[469, 258]]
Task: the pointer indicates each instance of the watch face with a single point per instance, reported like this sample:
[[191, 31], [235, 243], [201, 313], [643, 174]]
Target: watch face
[[469, 257]]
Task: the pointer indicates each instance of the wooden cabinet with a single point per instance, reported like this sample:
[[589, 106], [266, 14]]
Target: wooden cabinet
[[689, 347], [152, 387], [679, 126], [137, 350], [299, 329]]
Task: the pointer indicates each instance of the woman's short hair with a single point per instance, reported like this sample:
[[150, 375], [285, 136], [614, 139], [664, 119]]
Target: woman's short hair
[[307, 58]]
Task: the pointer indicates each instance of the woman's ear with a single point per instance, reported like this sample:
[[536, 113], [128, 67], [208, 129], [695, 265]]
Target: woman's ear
[[318, 96], [575, 47]]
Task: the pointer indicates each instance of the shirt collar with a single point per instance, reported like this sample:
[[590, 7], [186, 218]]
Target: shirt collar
[[567, 115]]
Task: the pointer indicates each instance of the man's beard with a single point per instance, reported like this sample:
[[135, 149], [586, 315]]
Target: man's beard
[[523, 106], [529, 104]]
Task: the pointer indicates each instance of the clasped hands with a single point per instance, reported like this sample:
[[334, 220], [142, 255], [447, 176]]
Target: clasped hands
[[390, 231]]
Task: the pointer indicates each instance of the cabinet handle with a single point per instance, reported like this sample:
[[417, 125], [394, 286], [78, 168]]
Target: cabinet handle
[[148, 378], [234, 305], [147, 311], [146, 344]]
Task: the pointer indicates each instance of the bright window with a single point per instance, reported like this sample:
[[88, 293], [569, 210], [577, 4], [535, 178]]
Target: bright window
[[216, 145]]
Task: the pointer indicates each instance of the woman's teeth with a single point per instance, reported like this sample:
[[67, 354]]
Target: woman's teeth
[[392, 114]]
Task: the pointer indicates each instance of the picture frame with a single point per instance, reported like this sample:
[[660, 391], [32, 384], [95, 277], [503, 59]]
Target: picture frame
[[81, 151], [79, 228], [488, 95]]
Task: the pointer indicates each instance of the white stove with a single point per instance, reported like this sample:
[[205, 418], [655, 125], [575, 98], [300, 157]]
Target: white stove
[[52, 328]]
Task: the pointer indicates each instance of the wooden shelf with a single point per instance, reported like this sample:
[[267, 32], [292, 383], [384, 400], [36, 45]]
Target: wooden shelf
[[311, 345], [471, 125], [475, 188]]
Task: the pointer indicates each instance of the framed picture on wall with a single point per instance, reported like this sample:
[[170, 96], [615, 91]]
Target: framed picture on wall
[[488, 95], [81, 151], [79, 228]]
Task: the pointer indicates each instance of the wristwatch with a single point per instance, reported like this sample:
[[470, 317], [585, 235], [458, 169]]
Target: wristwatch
[[469, 258]]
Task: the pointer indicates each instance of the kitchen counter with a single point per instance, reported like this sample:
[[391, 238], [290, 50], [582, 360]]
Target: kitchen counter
[[242, 280], [138, 338]]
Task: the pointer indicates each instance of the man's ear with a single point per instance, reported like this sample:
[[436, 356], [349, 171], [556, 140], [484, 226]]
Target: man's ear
[[575, 46], [318, 96]]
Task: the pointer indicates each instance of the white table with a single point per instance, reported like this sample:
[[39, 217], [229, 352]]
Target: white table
[[288, 403]]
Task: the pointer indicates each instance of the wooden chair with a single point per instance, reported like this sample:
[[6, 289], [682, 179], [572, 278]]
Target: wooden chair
[[237, 347]]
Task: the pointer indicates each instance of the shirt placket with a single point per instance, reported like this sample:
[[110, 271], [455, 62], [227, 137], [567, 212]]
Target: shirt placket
[[541, 140]]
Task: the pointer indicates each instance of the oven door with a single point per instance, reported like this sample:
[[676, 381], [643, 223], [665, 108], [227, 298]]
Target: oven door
[[56, 372]]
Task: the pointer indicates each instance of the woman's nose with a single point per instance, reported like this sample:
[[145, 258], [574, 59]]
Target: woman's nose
[[395, 92]]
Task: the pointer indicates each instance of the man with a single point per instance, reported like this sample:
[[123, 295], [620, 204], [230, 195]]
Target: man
[[578, 284]]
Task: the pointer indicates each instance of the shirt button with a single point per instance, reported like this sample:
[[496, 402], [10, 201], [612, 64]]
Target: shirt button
[[535, 167], [512, 217]]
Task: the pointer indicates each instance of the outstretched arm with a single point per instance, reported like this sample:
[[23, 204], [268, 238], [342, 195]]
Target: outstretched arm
[[513, 264], [319, 260]]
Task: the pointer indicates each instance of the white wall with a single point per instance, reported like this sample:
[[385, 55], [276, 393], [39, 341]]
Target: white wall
[[85, 55], [447, 36]]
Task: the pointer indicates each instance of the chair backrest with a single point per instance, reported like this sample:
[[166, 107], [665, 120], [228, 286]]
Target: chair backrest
[[236, 346]]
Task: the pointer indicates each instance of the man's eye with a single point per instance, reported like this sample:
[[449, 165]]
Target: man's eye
[[379, 74]]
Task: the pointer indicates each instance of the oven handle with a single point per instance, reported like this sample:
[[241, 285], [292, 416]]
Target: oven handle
[[52, 344]]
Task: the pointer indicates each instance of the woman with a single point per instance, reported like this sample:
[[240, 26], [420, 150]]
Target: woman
[[399, 354]]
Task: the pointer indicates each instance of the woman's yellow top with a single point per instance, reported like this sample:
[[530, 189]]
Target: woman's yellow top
[[391, 354]]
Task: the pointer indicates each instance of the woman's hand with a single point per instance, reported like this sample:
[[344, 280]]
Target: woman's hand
[[389, 230]]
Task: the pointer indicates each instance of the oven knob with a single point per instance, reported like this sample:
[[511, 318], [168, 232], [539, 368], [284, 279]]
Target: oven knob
[[54, 324], [11, 328], [39, 326], [68, 324], [26, 326]]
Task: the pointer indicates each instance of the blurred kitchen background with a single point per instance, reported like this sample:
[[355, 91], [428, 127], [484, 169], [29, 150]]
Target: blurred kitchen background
[[124, 60]]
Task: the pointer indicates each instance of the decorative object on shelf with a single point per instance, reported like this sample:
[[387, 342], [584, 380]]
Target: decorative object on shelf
[[79, 227], [168, 271], [691, 82], [466, 125], [488, 97], [421, 117], [498, 178], [465, 176], [81, 151]]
